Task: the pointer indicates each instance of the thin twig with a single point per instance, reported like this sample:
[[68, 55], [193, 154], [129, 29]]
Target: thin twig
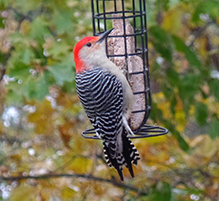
[[88, 177]]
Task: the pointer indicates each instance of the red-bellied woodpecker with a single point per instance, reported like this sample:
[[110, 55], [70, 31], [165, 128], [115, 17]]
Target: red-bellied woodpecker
[[107, 99]]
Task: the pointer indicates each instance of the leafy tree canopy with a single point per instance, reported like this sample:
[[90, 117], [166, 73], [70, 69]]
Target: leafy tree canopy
[[42, 154]]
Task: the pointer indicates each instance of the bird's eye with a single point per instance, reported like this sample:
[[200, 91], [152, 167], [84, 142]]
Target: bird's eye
[[88, 44]]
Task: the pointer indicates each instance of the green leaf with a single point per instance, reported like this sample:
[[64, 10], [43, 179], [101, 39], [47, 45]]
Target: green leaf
[[201, 113], [22, 52], [27, 55], [62, 20], [189, 53], [3, 57], [58, 49], [182, 143], [29, 88], [173, 103], [63, 72], [214, 128], [3, 4], [206, 7], [155, 67], [156, 113], [189, 86], [25, 6], [39, 29], [14, 96], [18, 40], [162, 42], [214, 83], [172, 76], [35, 88], [162, 4], [167, 90], [19, 71], [2, 25], [161, 192]]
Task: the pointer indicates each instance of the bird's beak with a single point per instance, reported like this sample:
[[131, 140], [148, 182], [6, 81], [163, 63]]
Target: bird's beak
[[103, 36]]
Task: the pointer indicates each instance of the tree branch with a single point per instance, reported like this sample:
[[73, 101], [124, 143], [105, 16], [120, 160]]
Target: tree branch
[[198, 33], [88, 177]]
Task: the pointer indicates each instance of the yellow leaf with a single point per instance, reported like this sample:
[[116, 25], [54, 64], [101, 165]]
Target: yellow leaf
[[25, 27], [24, 193], [16, 157], [64, 131], [43, 118], [68, 101], [155, 140], [68, 193], [98, 189], [81, 165], [207, 147], [172, 21]]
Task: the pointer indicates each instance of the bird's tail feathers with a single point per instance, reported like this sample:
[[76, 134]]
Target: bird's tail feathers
[[113, 161], [128, 156]]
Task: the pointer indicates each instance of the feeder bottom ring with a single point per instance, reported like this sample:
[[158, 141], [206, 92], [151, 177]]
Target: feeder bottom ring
[[144, 132]]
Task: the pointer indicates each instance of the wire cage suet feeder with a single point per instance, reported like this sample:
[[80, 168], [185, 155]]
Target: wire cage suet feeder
[[127, 47]]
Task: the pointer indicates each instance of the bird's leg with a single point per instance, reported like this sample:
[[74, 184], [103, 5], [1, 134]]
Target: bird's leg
[[97, 135], [128, 129]]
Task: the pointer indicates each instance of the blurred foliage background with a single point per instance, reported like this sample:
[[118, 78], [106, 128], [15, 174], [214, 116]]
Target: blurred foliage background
[[42, 154]]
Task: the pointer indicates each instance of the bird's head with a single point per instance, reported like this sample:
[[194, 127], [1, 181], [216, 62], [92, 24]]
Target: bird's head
[[89, 51]]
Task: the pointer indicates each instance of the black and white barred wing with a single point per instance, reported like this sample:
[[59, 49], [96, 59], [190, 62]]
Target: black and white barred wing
[[101, 96]]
